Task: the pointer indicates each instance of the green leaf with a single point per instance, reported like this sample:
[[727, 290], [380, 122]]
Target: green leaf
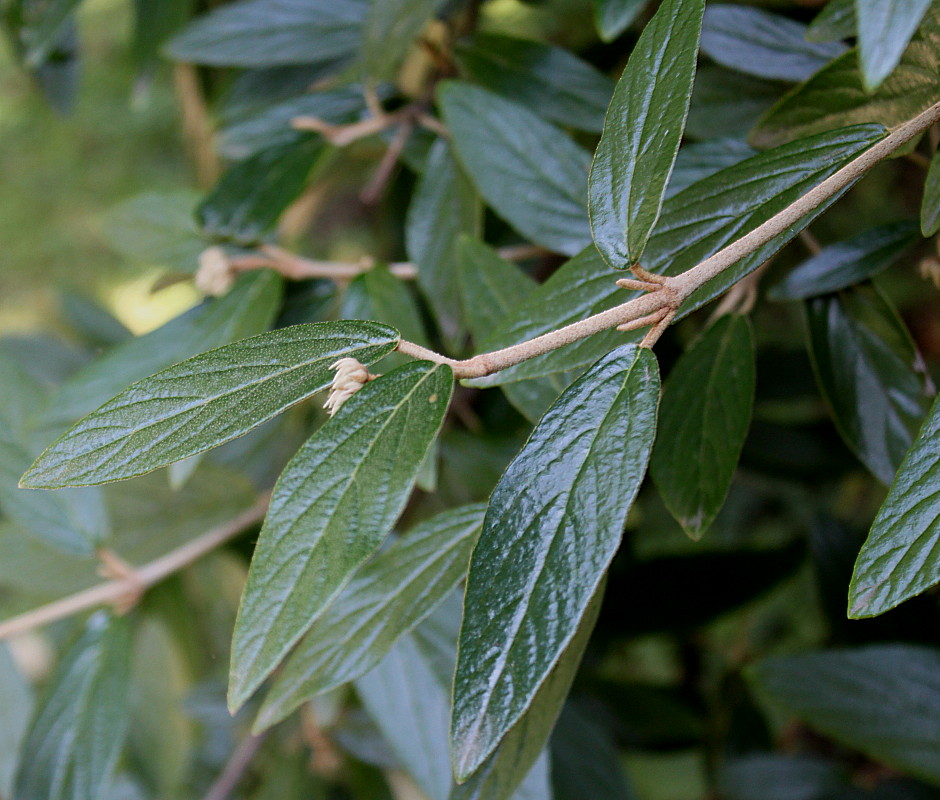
[[835, 95], [553, 524], [154, 22], [248, 309], [885, 28], [37, 28], [265, 33], [898, 559], [585, 761], [16, 709], [378, 295], [930, 205], [642, 132], [530, 172], [613, 17], [871, 375], [250, 196], [550, 81], [388, 597], [332, 507], [774, 776], [492, 290], [388, 33], [699, 160], [75, 740], [705, 414], [444, 206], [760, 43], [845, 263], [836, 20], [205, 401], [883, 700], [727, 103]]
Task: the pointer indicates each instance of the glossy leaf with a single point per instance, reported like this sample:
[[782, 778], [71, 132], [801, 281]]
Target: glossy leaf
[[930, 205], [550, 81], [615, 16], [642, 132], [76, 737], [388, 33], [845, 263], [205, 401], [16, 710], [527, 170], [699, 160], [332, 507], [247, 309], [251, 195], [760, 43], [898, 560], [885, 28], [391, 594], [265, 33], [704, 415], [871, 375], [535, 567], [835, 95], [444, 206], [883, 700]]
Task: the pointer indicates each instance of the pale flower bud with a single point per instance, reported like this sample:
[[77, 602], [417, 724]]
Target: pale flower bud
[[214, 276], [350, 377]]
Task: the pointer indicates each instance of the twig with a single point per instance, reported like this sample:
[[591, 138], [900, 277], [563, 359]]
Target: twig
[[235, 767], [674, 290], [114, 591], [373, 191]]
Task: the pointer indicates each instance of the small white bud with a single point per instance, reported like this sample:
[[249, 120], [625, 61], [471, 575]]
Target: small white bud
[[214, 276], [350, 377]]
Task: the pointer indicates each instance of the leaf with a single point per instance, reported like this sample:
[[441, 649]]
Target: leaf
[[444, 206], [705, 414], [546, 542], [204, 401], [642, 132], [390, 29], [930, 205], [885, 28], [835, 95], [836, 20], [699, 160], [527, 170], [74, 742], [548, 80], [247, 309], [388, 597], [882, 700], [379, 295], [264, 33], [774, 776], [38, 28], [848, 262], [585, 760], [898, 559], [333, 505], [613, 17], [16, 709], [728, 104], [760, 43], [870, 374], [492, 289], [154, 22], [250, 196]]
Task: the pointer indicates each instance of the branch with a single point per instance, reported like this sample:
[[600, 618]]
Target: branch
[[115, 591], [235, 768], [672, 291]]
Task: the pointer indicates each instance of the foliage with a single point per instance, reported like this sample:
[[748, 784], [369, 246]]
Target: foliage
[[487, 228]]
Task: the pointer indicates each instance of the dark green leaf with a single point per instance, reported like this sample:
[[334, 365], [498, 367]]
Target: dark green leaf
[[930, 206], [835, 95], [379, 295], [530, 172], [250, 197], [265, 33], [391, 594], [332, 507], [390, 29], [91, 321], [642, 132], [705, 414], [698, 160], [155, 21], [535, 567], [16, 709], [76, 738], [871, 375], [444, 206], [246, 310], [898, 560], [727, 103], [885, 28], [615, 16], [779, 777], [760, 43], [585, 761], [37, 29], [200, 403], [550, 81], [883, 700], [848, 262], [835, 21]]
